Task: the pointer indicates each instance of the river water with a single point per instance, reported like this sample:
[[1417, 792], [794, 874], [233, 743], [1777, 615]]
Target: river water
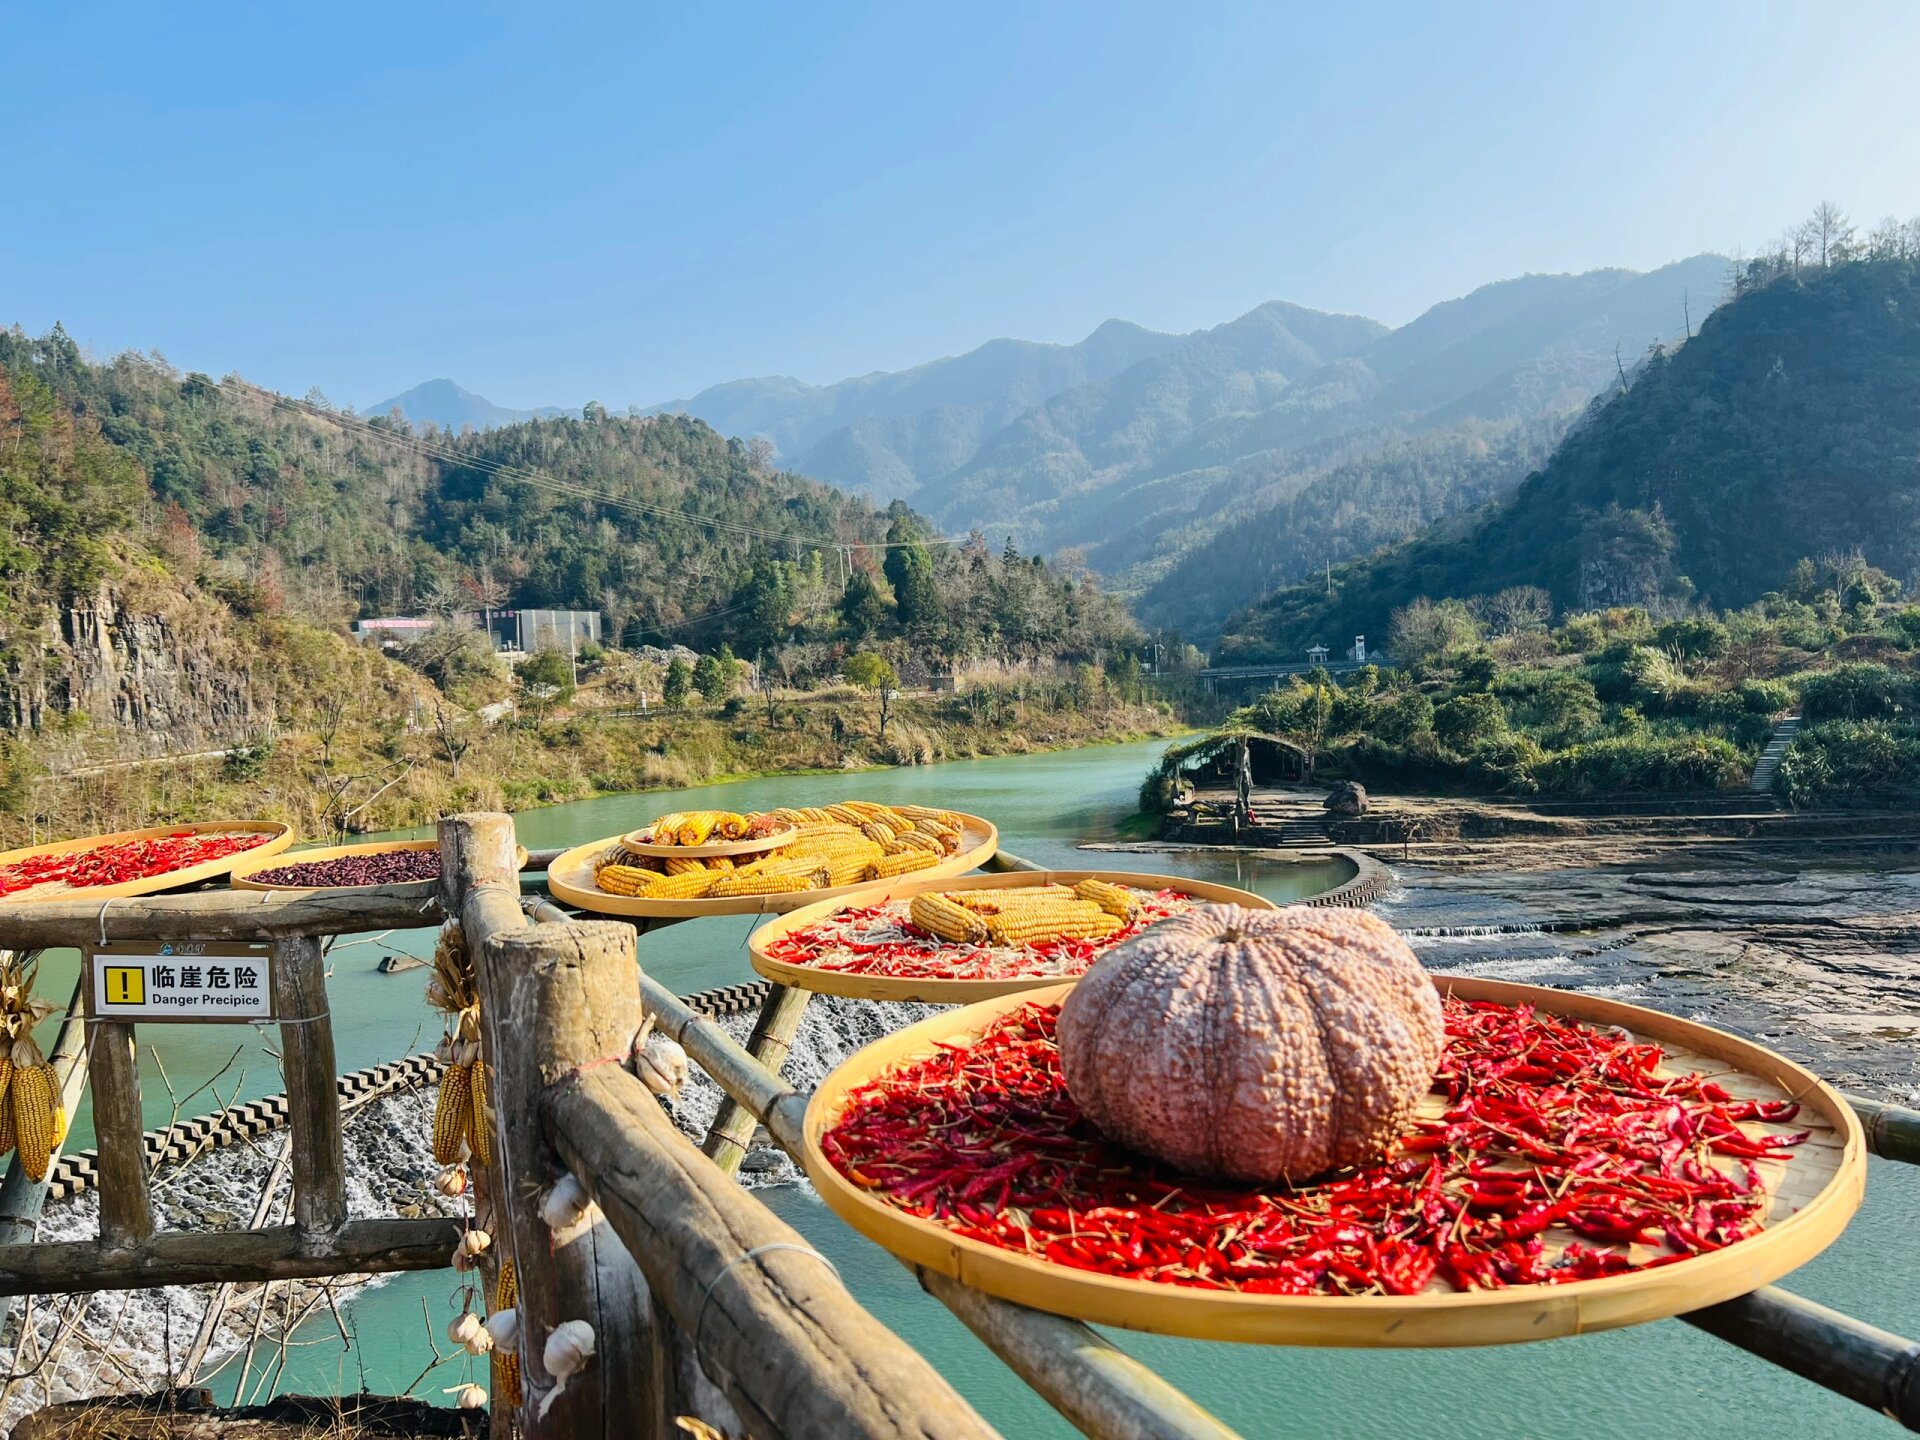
[[1662, 1379]]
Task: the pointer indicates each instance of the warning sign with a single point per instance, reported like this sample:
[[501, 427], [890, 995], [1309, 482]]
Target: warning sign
[[184, 980]]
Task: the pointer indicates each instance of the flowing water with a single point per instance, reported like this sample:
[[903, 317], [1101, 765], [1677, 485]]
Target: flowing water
[[1663, 1379]]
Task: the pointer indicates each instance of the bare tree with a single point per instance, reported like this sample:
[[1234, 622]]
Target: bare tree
[[1831, 233], [452, 734]]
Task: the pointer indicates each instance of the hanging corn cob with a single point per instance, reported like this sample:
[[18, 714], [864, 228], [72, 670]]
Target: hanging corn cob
[[506, 1357], [40, 1121], [460, 1125]]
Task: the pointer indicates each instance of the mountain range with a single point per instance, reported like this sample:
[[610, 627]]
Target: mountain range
[[1175, 461], [1786, 428]]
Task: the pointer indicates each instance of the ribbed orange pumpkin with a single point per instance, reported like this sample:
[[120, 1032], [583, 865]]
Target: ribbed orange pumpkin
[[1254, 1045]]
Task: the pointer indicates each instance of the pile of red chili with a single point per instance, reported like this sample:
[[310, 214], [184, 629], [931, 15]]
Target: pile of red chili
[[1552, 1131], [880, 940], [124, 860]]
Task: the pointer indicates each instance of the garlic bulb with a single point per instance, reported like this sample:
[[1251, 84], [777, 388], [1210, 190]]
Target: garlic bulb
[[474, 1241], [470, 1333], [452, 1181], [467, 1397], [569, 1347], [567, 1209], [462, 1262], [662, 1065], [504, 1326]]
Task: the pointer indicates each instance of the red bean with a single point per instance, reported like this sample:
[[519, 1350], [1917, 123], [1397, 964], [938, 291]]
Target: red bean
[[387, 867]]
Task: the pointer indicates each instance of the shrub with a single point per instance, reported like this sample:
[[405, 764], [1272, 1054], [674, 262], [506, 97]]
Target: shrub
[[1581, 635], [1643, 763], [1700, 639], [1843, 756], [1408, 715], [1855, 692], [1766, 697], [1466, 720]]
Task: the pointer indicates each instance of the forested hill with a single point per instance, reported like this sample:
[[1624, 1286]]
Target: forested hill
[[340, 517], [1789, 426]]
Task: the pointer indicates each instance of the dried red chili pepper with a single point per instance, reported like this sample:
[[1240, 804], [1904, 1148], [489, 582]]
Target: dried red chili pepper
[[1553, 1129]]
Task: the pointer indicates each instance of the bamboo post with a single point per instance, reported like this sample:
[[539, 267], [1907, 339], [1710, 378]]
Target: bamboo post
[[1848, 1356], [590, 1277], [1893, 1131], [1101, 1389], [126, 1209], [772, 1039], [313, 1103]]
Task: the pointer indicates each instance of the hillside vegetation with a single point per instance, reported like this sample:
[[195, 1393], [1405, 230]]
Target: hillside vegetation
[[1788, 427]]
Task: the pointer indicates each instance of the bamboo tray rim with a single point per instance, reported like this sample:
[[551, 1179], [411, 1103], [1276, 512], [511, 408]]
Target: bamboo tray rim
[[570, 879], [280, 836], [241, 876], [1431, 1319], [712, 848], [933, 989]]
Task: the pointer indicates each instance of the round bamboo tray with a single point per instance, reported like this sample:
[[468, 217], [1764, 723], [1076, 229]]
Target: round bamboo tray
[[279, 837], [241, 877], [1814, 1195], [631, 841], [933, 989], [570, 878]]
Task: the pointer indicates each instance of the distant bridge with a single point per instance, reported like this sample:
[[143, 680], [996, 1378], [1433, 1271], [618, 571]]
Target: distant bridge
[[1216, 675]]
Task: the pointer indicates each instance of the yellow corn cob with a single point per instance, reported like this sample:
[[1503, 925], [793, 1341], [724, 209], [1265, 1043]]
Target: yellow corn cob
[[479, 1117], [506, 1359], [690, 886], [907, 861], [947, 839], [814, 814], [870, 810], [682, 864], [626, 880], [1114, 899], [664, 828], [992, 902], [850, 870], [740, 883], [731, 826], [914, 840], [938, 915], [7, 1130], [846, 815], [451, 1113], [59, 1109], [877, 831], [34, 1102], [1027, 925], [825, 827], [945, 818]]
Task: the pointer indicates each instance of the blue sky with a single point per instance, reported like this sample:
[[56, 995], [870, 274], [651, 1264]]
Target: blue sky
[[560, 203]]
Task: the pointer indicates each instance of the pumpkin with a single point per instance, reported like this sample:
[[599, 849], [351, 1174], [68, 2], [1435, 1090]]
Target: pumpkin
[[1254, 1045]]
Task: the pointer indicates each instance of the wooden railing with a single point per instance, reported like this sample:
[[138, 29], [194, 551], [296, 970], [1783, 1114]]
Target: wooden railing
[[703, 1303]]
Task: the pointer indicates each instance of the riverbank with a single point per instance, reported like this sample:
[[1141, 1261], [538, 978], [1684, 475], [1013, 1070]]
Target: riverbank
[[367, 779]]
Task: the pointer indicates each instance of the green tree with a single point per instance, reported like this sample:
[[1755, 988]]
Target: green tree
[[547, 676], [876, 673], [677, 685], [863, 609], [909, 569], [713, 676]]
